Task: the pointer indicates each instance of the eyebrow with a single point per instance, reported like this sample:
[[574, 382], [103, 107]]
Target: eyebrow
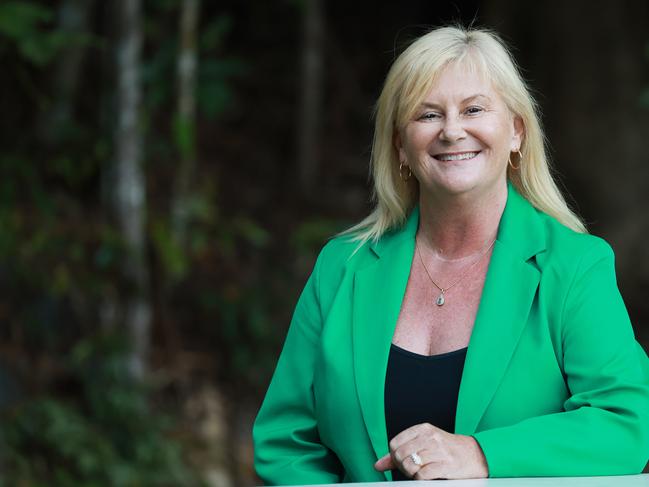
[[467, 99]]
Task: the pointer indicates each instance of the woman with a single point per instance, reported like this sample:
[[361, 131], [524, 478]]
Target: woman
[[469, 327]]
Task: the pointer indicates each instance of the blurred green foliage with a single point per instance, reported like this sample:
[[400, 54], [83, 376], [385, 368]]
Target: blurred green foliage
[[76, 418], [216, 69], [104, 434], [21, 26]]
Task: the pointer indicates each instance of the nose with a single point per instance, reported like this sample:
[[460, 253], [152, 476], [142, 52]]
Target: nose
[[452, 130]]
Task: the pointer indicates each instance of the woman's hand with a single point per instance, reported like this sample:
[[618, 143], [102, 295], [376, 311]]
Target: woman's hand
[[442, 455]]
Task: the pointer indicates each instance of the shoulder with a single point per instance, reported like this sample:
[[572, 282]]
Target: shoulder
[[568, 247], [570, 256], [336, 262], [533, 232], [340, 254]]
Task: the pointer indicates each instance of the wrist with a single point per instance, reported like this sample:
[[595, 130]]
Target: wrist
[[482, 468]]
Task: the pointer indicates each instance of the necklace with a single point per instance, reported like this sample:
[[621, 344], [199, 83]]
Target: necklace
[[441, 299]]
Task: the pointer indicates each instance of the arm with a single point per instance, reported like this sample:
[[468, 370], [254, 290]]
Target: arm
[[287, 445], [604, 429]]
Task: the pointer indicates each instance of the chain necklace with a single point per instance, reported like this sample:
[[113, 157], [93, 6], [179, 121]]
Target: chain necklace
[[441, 299]]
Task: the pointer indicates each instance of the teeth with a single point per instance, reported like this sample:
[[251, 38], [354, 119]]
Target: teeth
[[456, 157]]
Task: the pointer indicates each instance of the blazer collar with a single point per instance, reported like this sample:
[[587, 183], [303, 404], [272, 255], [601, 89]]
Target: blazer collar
[[507, 296]]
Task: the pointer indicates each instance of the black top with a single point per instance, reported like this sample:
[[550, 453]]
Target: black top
[[421, 389]]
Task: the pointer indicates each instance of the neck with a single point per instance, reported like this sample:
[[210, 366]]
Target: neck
[[458, 226]]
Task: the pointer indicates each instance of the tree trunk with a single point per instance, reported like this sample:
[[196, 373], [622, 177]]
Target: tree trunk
[[311, 92], [186, 118], [129, 197], [72, 18]]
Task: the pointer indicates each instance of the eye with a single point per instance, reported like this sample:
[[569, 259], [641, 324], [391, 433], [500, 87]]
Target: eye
[[429, 116], [474, 110]]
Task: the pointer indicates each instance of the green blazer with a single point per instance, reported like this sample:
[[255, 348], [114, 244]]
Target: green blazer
[[554, 382]]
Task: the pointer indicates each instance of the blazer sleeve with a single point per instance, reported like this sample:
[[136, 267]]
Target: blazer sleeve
[[287, 446], [604, 428]]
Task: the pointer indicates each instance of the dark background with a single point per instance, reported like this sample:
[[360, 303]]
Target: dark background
[[156, 229]]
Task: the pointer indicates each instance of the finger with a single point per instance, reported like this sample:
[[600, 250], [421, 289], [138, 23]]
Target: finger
[[409, 434], [431, 471], [423, 445], [385, 463], [409, 467]]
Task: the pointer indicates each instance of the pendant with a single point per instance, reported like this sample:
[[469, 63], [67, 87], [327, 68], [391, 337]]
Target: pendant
[[440, 299]]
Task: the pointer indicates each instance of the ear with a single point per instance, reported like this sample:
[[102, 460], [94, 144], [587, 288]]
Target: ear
[[519, 133], [399, 146]]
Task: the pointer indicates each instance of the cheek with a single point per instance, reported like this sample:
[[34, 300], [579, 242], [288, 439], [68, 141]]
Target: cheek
[[494, 130], [499, 137], [419, 140], [505, 133]]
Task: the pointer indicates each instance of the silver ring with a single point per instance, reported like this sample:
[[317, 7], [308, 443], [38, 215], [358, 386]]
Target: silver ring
[[416, 459]]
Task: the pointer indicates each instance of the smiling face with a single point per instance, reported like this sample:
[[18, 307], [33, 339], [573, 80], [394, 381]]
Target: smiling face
[[459, 139]]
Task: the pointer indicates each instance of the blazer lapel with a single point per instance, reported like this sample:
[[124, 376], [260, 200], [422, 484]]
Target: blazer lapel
[[506, 300], [378, 292], [510, 286]]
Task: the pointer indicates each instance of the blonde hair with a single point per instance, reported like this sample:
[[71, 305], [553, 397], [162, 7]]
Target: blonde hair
[[407, 84]]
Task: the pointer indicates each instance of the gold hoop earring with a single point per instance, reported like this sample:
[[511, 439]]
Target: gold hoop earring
[[401, 166], [520, 158]]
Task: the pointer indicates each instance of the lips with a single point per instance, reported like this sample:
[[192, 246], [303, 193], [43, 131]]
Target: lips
[[456, 156]]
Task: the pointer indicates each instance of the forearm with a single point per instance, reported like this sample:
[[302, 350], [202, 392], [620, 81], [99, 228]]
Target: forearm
[[288, 449], [586, 441], [284, 461]]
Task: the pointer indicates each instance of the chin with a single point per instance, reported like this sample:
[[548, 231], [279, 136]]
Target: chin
[[467, 183], [456, 186]]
